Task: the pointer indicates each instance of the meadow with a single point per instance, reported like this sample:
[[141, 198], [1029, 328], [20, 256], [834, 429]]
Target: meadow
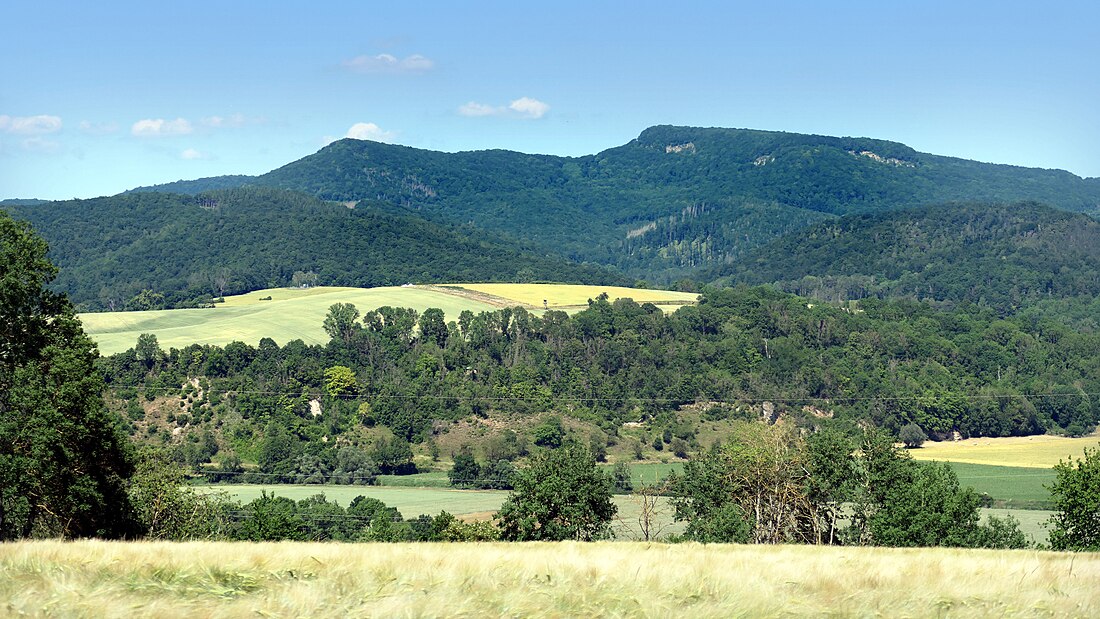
[[466, 504], [298, 313], [204, 579], [1008, 485]]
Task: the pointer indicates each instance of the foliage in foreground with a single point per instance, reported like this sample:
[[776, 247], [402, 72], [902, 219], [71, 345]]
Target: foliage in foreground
[[560, 495], [768, 484], [1076, 493], [63, 459]]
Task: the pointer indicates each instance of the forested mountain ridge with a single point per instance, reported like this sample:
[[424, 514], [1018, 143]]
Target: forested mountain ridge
[[187, 248], [1000, 255], [670, 201]]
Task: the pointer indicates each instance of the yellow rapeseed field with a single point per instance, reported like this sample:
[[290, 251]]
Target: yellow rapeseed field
[[559, 296], [1026, 451], [210, 579]]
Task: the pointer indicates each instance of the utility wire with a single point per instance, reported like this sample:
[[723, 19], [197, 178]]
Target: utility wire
[[750, 400]]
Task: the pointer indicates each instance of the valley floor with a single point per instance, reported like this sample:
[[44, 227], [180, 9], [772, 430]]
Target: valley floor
[[200, 579]]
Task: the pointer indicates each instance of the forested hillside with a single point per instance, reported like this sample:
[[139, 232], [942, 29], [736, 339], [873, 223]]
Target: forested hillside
[[741, 353], [669, 202], [187, 250], [1002, 255]]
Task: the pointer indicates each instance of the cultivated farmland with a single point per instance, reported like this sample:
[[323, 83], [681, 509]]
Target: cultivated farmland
[[1042, 451], [202, 579], [297, 313], [290, 314], [571, 296]]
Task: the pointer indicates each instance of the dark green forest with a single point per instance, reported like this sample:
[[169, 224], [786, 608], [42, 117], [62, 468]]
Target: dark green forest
[[673, 200], [1005, 256], [191, 249]]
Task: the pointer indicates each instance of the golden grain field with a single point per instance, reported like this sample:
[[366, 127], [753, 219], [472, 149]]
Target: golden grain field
[[559, 296], [1027, 451], [210, 579]]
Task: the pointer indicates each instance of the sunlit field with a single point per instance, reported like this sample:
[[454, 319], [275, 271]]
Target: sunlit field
[[298, 313], [559, 296], [206, 579], [290, 314], [411, 502], [1019, 451]]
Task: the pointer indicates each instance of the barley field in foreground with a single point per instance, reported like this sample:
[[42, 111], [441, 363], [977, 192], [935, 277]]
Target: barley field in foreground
[[205, 579]]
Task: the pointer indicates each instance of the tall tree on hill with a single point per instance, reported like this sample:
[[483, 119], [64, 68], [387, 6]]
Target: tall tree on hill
[[63, 461]]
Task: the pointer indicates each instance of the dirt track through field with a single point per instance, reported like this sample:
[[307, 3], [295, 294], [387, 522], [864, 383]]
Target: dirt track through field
[[474, 295]]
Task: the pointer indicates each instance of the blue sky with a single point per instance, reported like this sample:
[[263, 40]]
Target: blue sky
[[96, 98]]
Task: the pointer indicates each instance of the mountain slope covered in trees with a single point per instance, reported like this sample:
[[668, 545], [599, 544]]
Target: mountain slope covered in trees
[[1002, 255], [672, 200], [223, 242]]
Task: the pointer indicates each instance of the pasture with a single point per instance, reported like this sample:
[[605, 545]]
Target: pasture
[[204, 579], [469, 504], [1042, 451], [1012, 485], [411, 502]]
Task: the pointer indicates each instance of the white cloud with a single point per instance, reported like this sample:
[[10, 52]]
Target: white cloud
[[233, 121], [473, 108], [191, 154], [529, 108], [30, 125], [158, 127], [524, 107], [370, 131], [388, 63]]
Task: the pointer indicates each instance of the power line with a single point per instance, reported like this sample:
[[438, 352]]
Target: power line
[[752, 400]]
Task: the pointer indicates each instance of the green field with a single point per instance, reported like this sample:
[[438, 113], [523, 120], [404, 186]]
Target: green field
[[297, 313], [1011, 485], [291, 314], [411, 502], [90, 578]]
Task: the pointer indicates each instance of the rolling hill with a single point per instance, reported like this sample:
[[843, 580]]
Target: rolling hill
[[671, 201], [677, 202], [191, 248]]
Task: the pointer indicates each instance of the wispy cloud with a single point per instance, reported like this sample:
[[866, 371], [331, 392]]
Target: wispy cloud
[[233, 121], [473, 108], [92, 128], [30, 125], [191, 154], [388, 63], [158, 127], [39, 144], [524, 107]]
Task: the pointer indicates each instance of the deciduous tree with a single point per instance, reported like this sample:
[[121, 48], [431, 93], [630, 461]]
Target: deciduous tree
[[561, 495], [63, 460], [1076, 492]]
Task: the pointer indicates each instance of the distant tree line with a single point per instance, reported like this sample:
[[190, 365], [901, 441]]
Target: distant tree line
[[891, 363]]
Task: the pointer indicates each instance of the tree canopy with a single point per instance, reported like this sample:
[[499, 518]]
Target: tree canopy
[[63, 461]]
